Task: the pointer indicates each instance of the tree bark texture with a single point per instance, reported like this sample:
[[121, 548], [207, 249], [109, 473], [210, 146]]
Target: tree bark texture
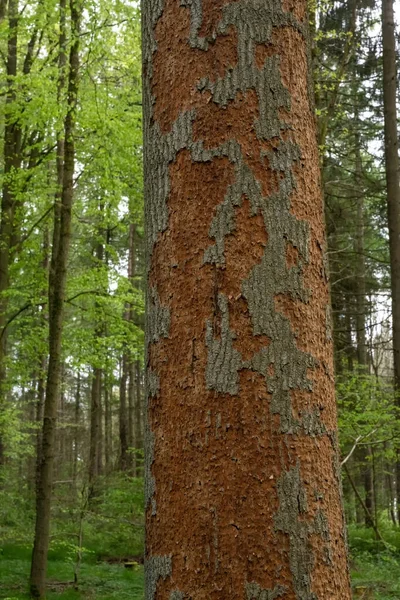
[[393, 188], [242, 477], [57, 286]]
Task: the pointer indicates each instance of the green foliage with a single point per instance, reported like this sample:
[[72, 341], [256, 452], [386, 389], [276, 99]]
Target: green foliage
[[98, 581], [367, 413]]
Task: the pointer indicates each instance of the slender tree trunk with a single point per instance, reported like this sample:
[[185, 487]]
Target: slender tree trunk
[[393, 189], [369, 491], [361, 319], [131, 409], [243, 484], [138, 434], [95, 459], [57, 284], [123, 417], [12, 162], [107, 424], [361, 288], [96, 413], [77, 437], [348, 333]]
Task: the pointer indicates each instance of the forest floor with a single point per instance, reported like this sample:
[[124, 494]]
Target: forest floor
[[99, 581], [374, 578]]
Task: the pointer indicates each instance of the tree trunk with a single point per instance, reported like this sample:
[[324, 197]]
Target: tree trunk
[[12, 162], [57, 285], [107, 424], [123, 417], [95, 458], [243, 491], [393, 189], [361, 289], [138, 417], [77, 437]]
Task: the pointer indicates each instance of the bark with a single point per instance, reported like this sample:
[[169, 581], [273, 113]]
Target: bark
[[393, 189], [57, 285], [243, 493]]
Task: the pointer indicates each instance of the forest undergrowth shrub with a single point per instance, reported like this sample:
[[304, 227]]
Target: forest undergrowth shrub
[[111, 525]]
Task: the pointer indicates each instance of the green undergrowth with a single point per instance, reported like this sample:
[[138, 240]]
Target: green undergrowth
[[376, 576], [375, 571], [375, 565], [97, 581]]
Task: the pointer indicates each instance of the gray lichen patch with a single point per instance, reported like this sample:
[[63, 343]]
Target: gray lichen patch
[[161, 150], [254, 21], [158, 322], [177, 595], [311, 423], [290, 519], [152, 384], [293, 505], [156, 567], [224, 361], [255, 592], [196, 17], [149, 480], [223, 224], [158, 318]]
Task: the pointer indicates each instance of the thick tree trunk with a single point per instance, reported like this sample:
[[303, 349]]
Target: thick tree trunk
[[242, 477], [393, 188], [57, 284]]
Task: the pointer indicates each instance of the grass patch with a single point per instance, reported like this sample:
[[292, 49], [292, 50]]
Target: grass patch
[[376, 575], [97, 581]]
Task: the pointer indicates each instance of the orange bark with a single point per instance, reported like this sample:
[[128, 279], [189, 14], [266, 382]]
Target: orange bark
[[243, 489]]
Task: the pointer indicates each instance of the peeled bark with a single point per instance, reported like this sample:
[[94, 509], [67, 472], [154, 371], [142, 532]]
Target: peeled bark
[[242, 478], [57, 285], [393, 189]]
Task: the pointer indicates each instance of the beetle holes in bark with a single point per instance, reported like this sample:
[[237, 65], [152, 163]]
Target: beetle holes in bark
[[242, 482]]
